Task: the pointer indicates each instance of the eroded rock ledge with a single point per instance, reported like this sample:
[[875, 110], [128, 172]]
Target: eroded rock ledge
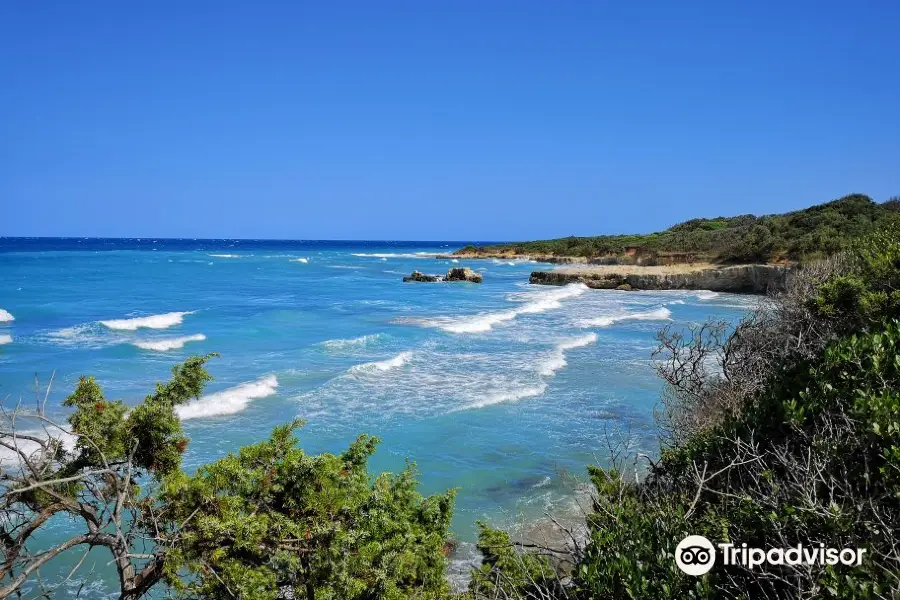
[[454, 274], [738, 279]]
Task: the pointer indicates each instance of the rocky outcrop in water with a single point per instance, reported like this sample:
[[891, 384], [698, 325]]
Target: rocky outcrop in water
[[738, 279], [463, 274], [454, 274]]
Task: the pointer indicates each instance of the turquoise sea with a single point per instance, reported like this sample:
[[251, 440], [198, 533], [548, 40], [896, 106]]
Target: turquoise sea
[[503, 390]]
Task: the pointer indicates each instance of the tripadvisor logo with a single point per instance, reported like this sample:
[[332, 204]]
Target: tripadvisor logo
[[696, 555]]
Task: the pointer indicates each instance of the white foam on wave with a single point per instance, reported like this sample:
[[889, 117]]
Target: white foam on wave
[[500, 397], [357, 342], [539, 302], [383, 365], [303, 260], [5, 338], [166, 344], [454, 260], [10, 456], [707, 295], [163, 321], [657, 314], [6, 316], [557, 358], [225, 255], [392, 254], [229, 401], [343, 267]]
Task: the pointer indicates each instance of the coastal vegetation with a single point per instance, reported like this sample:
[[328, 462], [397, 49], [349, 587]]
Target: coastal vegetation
[[780, 430], [802, 235]]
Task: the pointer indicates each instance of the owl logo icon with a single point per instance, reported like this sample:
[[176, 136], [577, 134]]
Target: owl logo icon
[[695, 555]]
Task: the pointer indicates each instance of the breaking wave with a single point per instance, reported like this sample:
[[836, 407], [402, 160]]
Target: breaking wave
[[10, 456], [657, 314], [5, 316], [225, 255], [707, 295], [357, 342], [163, 321], [383, 365], [537, 303], [506, 396], [169, 343], [5, 338], [301, 260], [557, 358], [393, 255], [229, 401]]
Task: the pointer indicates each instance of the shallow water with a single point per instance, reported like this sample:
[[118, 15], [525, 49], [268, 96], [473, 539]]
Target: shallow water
[[501, 389]]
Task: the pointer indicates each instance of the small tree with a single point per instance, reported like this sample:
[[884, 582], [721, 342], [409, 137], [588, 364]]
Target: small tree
[[268, 522], [94, 481]]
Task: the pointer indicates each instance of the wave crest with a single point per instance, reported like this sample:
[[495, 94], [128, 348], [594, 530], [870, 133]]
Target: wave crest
[[5, 338], [229, 401], [163, 321], [169, 343], [364, 340], [540, 302], [6, 316], [557, 358], [383, 365], [657, 314]]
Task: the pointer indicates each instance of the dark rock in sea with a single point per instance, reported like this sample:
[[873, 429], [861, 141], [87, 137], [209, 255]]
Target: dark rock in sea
[[454, 274], [463, 274], [624, 287], [419, 276], [738, 279]]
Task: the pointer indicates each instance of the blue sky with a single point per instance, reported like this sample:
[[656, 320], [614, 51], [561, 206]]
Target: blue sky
[[438, 120]]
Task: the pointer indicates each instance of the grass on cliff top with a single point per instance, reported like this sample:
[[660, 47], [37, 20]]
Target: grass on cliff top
[[813, 232]]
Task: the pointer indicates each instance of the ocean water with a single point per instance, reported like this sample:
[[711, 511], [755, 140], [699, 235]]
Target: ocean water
[[503, 390]]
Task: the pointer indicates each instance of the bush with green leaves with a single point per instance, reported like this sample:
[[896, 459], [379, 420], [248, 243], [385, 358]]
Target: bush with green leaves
[[809, 454], [272, 520], [269, 521]]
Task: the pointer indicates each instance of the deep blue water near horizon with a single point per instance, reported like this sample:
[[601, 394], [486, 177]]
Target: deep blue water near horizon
[[501, 390]]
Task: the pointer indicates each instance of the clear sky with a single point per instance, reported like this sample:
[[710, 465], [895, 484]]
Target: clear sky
[[443, 119]]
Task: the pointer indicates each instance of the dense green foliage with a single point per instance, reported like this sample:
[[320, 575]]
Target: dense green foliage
[[272, 518], [800, 235], [266, 521], [814, 457]]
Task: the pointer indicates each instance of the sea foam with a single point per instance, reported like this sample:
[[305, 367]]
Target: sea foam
[[657, 314], [301, 260], [5, 316], [537, 303], [165, 344], [512, 395], [707, 295], [383, 365], [163, 321], [357, 342], [5, 338], [229, 401], [557, 358], [9, 456]]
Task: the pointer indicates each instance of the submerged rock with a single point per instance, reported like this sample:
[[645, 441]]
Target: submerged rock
[[454, 274]]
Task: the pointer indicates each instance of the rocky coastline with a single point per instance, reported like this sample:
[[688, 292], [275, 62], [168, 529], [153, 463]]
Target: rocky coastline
[[737, 279]]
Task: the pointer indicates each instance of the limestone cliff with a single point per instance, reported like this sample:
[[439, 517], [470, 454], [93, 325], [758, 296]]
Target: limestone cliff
[[740, 279]]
